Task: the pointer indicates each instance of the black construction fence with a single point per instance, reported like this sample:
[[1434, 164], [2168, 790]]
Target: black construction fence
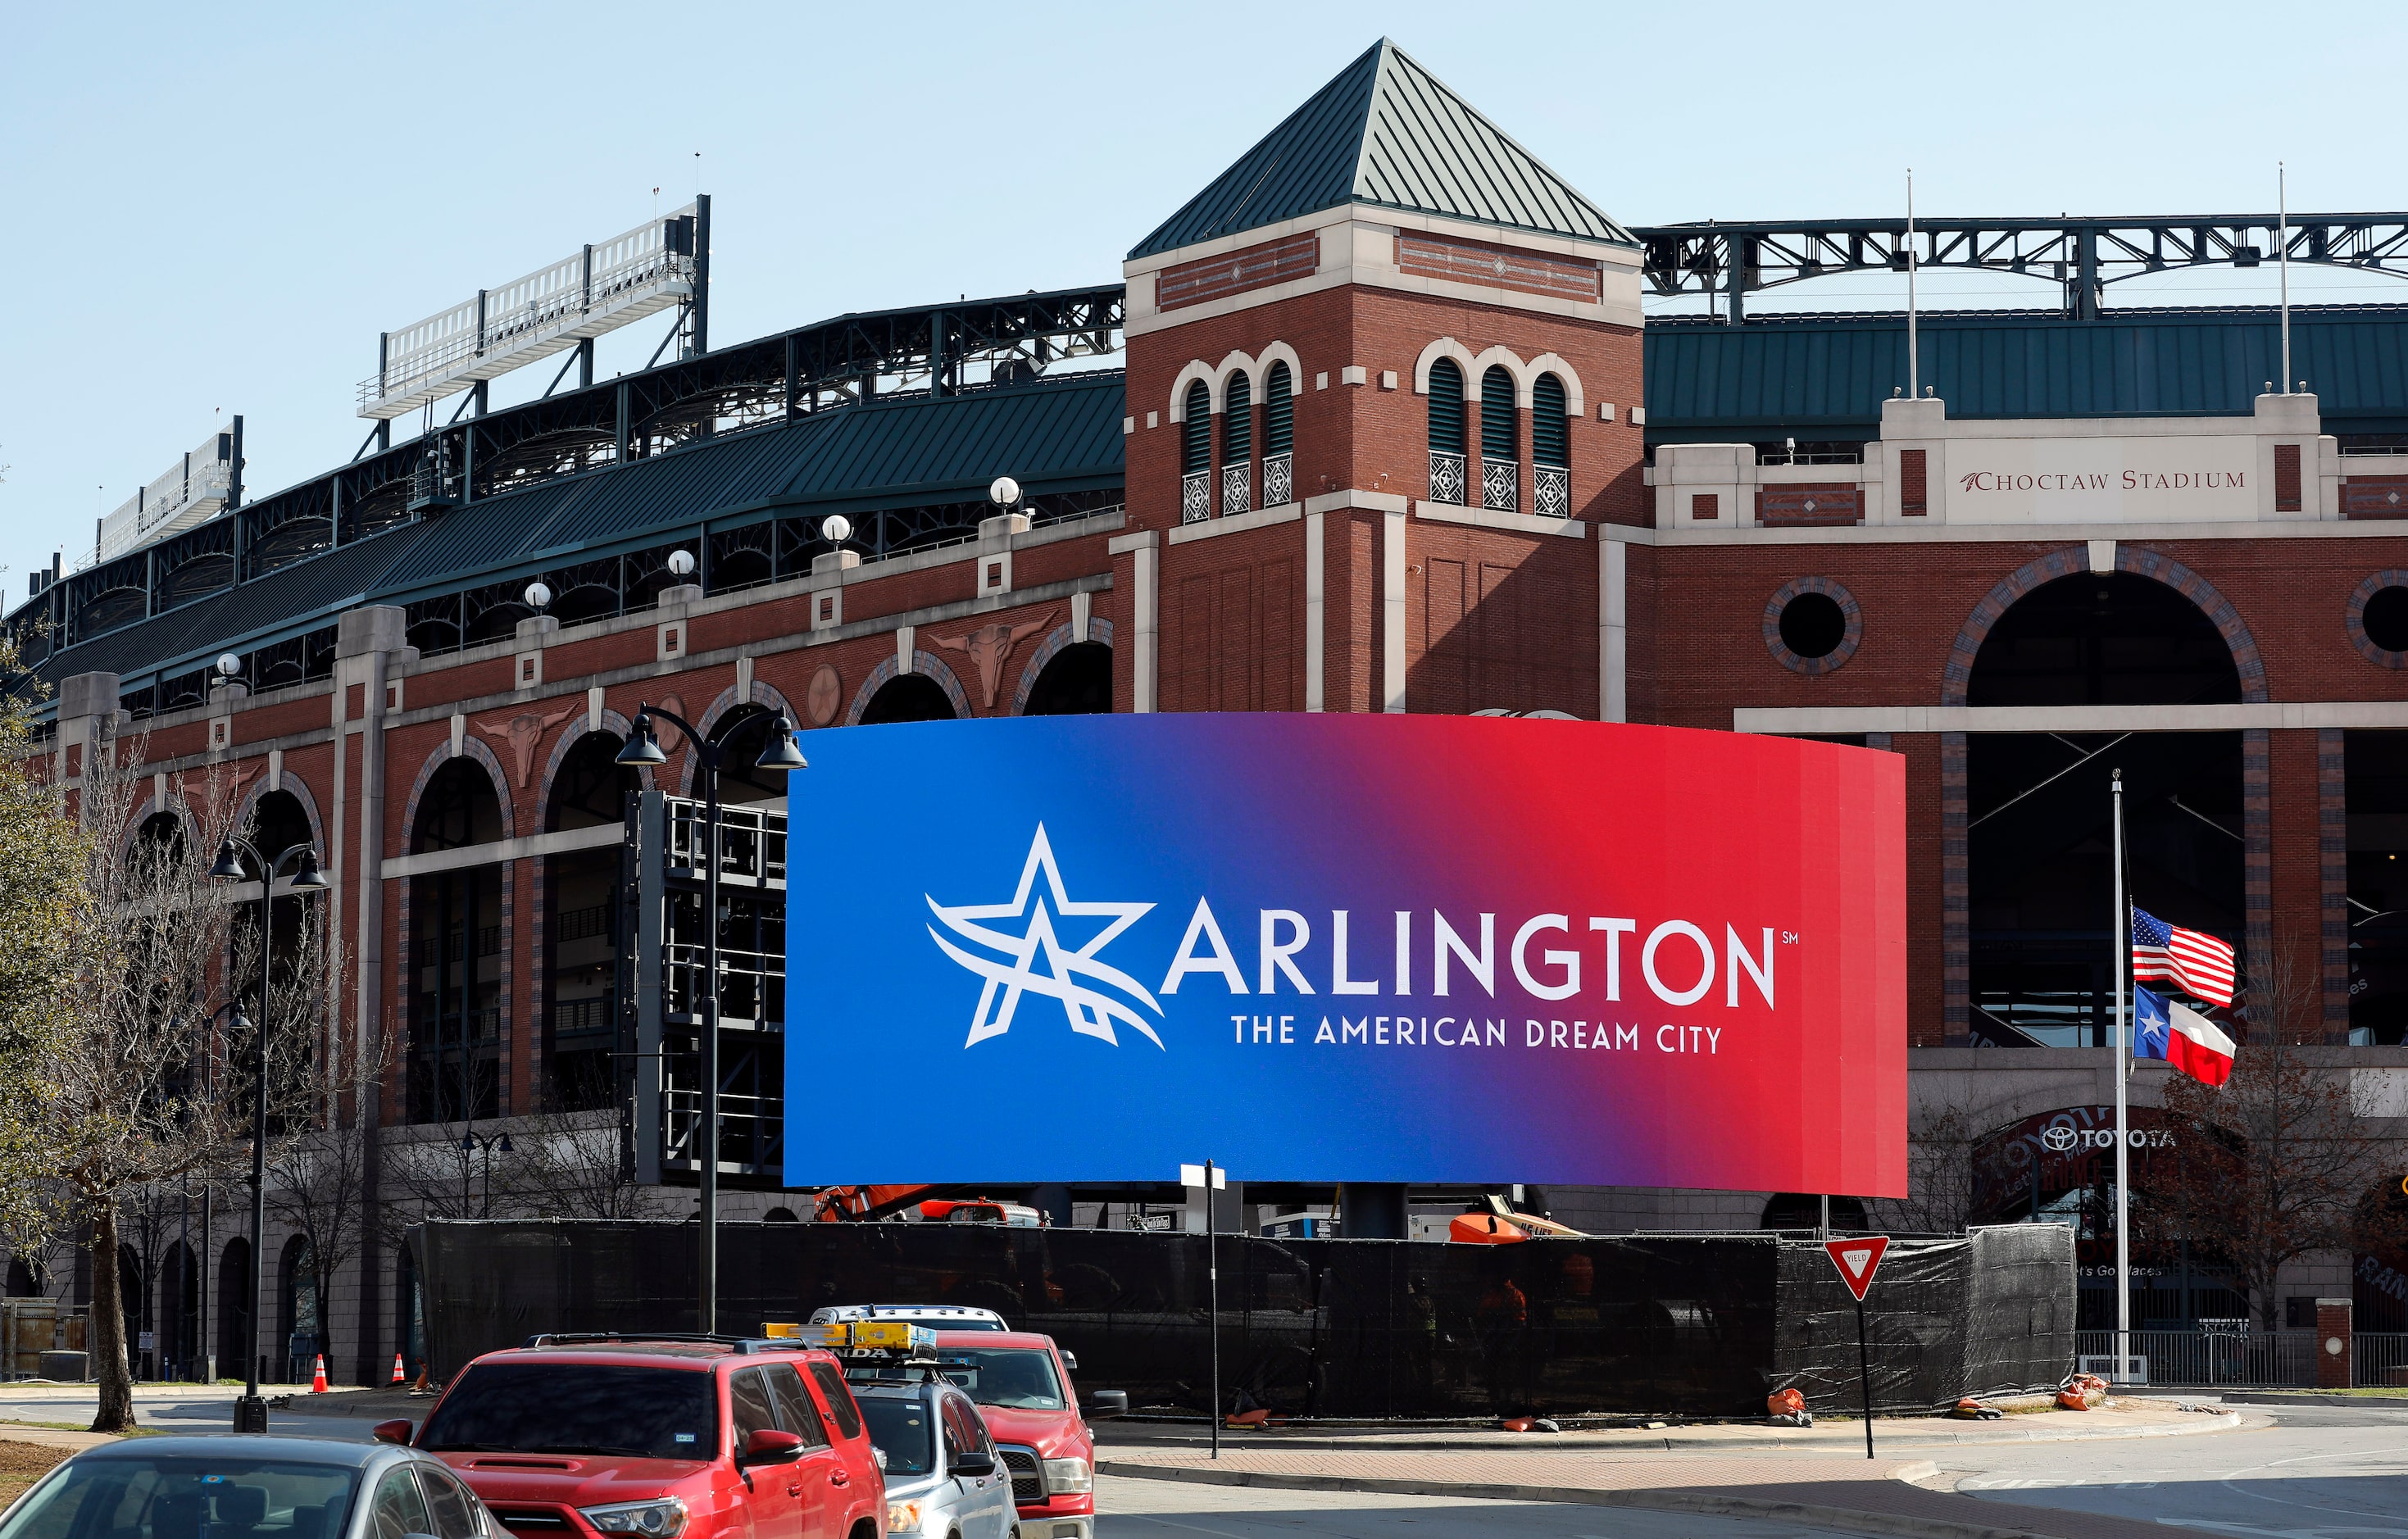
[[1694, 1325]]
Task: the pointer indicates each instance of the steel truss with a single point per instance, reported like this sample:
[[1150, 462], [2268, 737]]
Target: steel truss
[[935, 351], [2081, 255]]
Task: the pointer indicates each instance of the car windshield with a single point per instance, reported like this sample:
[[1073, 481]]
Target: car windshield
[[901, 1429], [192, 1497], [574, 1407], [1018, 1378]]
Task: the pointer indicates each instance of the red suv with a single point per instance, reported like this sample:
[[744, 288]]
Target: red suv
[[1024, 1395], [605, 1437]]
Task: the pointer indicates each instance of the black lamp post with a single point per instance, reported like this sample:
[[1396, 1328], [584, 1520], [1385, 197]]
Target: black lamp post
[[471, 1142], [778, 753], [251, 1411]]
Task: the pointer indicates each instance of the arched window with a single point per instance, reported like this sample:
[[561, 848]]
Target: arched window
[[1278, 435], [1551, 449], [1500, 469], [1446, 432], [1238, 446], [1195, 456]]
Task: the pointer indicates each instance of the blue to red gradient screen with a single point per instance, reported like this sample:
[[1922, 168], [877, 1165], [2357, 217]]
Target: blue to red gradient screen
[[1350, 948]]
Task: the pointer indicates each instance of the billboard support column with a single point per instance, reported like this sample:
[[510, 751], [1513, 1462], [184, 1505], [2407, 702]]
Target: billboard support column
[[1211, 1178]]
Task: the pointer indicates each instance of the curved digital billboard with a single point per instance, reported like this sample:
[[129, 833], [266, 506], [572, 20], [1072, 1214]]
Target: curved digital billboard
[[1358, 947]]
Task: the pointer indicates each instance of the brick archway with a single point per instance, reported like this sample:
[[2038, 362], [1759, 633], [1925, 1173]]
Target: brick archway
[[2257, 795], [922, 665], [764, 694], [1099, 630], [1957, 677]]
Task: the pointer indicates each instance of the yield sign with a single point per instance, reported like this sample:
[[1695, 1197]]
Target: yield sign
[[1858, 1260]]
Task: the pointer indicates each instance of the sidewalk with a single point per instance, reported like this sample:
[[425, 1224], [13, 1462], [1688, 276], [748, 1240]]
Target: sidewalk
[[1814, 1476], [2124, 1418]]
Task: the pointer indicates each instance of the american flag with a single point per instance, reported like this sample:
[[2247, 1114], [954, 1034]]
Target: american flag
[[2200, 965]]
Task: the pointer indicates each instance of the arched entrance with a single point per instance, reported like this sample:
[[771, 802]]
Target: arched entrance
[[2058, 1167], [1077, 682], [301, 1339], [908, 697], [2038, 806], [234, 1348]]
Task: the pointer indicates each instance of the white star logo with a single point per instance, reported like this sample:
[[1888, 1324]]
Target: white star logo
[[1035, 961]]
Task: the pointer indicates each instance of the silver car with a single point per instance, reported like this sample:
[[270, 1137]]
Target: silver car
[[944, 1479], [284, 1487]]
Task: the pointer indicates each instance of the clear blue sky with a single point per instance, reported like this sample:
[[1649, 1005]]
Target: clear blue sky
[[214, 209]]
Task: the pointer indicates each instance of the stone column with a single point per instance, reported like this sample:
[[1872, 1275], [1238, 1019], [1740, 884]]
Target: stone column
[[370, 644]]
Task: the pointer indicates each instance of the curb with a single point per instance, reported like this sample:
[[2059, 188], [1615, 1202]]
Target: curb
[[1847, 1519], [2307, 1397], [1582, 1442]]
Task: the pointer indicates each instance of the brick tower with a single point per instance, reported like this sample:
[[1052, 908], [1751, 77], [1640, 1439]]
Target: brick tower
[[1381, 381]]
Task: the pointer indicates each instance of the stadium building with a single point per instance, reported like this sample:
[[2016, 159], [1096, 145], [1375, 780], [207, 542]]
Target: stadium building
[[1374, 423]]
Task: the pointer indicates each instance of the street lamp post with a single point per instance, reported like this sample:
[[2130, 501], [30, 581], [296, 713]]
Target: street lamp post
[[471, 1142], [251, 1411], [779, 753]]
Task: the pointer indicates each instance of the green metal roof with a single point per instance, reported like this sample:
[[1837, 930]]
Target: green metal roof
[[1385, 131], [1826, 376], [1055, 434]]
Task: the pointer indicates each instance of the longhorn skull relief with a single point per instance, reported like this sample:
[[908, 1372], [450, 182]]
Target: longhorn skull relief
[[990, 646], [523, 734]]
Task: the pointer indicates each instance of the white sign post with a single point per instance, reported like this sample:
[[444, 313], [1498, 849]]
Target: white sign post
[[1211, 1178]]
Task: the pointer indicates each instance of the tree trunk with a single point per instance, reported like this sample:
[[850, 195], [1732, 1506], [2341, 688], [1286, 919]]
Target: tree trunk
[[105, 1330]]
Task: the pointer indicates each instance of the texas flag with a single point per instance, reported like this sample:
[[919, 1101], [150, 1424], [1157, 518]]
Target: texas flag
[[2183, 1037]]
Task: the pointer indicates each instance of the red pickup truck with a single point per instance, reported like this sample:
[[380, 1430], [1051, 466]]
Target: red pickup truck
[[1023, 1391], [605, 1437]]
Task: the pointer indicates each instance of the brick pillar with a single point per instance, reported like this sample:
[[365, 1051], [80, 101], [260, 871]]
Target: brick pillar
[[1525, 449], [2332, 1344], [1926, 1025], [1956, 898], [2332, 852], [1472, 494], [2295, 898]]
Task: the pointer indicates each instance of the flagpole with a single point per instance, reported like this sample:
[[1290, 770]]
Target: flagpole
[[2123, 1065]]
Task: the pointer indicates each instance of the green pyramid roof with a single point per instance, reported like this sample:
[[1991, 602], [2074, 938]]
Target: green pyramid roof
[[1389, 133]]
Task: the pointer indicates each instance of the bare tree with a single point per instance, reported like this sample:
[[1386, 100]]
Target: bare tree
[[1942, 1134], [575, 1165], [2276, 1164], [317, 1183], [155, 1071]]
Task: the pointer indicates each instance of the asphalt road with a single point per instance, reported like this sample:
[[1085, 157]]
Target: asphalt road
[[2305, 1471], [1169, 1509], [175, 1408]]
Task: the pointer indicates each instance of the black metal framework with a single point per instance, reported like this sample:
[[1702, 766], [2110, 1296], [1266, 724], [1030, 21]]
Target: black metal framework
[[2081, 255], [664, 986], [939, 351]]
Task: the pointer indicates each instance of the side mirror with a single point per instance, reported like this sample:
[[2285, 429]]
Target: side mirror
[[770, 1445], [978, 1466], [391, 1431], [1104, 1404], [1070, 1361]]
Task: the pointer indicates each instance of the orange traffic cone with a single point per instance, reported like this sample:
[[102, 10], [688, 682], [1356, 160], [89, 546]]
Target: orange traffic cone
[[398, 1376], [317, 1376]]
